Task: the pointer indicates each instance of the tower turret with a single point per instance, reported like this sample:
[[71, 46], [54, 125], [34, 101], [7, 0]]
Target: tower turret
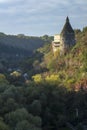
[[67, 36], [65, 40], [67, 27]]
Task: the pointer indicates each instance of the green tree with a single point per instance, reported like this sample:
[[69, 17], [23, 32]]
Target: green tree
[[14, 117], [25, 125], [4, 126], [35, 107]]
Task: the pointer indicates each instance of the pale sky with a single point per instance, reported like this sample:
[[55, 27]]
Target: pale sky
[[40, 17]]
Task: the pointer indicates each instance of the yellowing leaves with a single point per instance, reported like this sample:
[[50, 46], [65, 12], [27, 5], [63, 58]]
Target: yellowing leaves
[[37, 78], [15, 74], [51, 79]]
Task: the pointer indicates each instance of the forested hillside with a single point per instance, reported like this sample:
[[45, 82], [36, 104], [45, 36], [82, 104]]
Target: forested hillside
[[71, 68], [29, 43], [49, 92], [16, 48]]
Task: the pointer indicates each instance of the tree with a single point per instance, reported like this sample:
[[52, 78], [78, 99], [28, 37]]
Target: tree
[[35, 107], [37, 78], [3, 126], [3, 79], [14, 117], [25, 125]]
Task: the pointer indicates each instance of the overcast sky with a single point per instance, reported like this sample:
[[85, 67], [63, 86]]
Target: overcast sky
[[40, 17]]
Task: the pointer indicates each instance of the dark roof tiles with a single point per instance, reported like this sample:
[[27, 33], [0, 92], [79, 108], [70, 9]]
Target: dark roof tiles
[[67, 27]]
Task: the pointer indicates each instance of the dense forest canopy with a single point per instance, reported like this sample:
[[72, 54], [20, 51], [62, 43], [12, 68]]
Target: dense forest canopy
[[42, 91], [16, 48], [28, 43]]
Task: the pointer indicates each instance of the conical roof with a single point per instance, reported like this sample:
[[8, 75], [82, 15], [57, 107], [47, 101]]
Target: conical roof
[[67, 27]]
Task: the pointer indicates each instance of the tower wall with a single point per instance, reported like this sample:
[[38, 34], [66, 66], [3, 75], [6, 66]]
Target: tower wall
[[67, 41]]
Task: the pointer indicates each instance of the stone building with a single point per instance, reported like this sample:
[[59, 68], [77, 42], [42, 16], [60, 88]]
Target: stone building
[[65, 40]]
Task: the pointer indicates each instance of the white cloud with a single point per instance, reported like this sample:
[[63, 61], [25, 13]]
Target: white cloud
[[41, 12], [3, 1], [80, 2], [9, 1]]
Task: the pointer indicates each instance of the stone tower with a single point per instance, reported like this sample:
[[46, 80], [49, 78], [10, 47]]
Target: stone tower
[[67, 36], [65, 40]]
